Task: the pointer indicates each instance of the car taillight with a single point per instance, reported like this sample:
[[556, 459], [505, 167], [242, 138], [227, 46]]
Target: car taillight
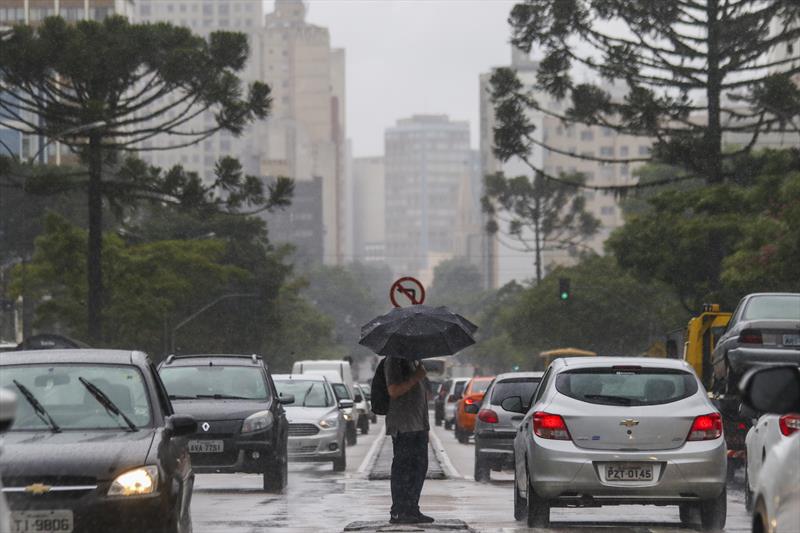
[[750, 336], [488, 416], [469, 401], [789, 424], [549, 426], [706, 427]]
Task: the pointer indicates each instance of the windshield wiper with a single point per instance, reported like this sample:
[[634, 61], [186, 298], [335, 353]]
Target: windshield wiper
[[38, 408], [305, 396], [222, 397], [182, 397], [622, 400], [106, 402]]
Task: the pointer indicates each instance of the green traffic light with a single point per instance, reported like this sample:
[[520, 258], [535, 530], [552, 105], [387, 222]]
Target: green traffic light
[[564, 295]]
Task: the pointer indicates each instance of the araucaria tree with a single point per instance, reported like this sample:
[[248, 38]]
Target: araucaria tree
[[102, 88], [692, 70], [538, 215]]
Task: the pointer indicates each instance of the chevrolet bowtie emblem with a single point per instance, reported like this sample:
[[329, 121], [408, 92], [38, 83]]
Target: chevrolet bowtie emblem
[[206, 426], [629, 422], [38, 489]]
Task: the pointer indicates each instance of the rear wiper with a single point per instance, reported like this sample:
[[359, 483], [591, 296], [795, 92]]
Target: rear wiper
[[38, 408], [182, 397], [622, 400], [222, 397], [106, 402]]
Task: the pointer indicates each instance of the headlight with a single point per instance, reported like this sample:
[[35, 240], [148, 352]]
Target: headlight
[[330, 422], [348, 416], [257, 422], [136, 482]]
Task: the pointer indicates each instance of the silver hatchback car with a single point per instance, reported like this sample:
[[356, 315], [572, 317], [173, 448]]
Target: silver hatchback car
[[619, 430]]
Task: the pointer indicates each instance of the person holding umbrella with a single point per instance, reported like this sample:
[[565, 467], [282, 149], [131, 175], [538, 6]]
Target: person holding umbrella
[[405, 336]]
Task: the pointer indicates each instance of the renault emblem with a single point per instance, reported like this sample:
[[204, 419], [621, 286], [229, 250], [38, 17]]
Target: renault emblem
[[205, 426], [629, 422], [38, 489]]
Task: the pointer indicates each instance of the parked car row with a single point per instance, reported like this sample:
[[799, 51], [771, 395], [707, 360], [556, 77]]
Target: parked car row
[[103, 440]]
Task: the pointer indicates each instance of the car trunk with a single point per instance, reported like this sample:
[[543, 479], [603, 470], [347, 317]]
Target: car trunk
[[624, 428], [775, 333]]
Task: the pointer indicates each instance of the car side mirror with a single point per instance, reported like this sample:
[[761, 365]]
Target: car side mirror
[[358, 398], [471, 408], [180, 425], [774, 389], [285, 399], [513, 404], [8, 409], [345, 404], [452, 398]]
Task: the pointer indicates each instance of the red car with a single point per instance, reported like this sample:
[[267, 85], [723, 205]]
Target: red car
[[473, 394]]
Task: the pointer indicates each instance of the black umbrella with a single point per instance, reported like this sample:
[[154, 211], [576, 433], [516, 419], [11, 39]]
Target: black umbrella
[[417, 332]]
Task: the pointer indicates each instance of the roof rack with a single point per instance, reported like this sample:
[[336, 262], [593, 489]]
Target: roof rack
[[172, 357]]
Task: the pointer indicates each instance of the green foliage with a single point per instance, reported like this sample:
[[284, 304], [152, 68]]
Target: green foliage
[[716, 243], [458, 284], [691, 72], [610, 312]]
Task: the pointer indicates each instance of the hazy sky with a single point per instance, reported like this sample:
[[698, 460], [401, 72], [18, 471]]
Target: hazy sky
[[412, 56]]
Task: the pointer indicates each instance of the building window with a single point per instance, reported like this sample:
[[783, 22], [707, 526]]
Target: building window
[[623, 151], [789, 48], [587, 135], [144, 11], [208, 9], [644, 150], [607, 150], [222, 9], [608, 132], [624, 170]]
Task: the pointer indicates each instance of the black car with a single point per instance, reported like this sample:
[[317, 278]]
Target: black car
[[95, 445], [241, 422]]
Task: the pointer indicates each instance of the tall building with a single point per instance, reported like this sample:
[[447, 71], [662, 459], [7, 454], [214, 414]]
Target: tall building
[[369, 224], [505, 262], [428, 163], [301, 223]]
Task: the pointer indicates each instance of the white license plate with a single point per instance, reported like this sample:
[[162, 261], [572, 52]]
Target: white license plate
[[57, 521], [206, 446], [629, 473], [791, 340]]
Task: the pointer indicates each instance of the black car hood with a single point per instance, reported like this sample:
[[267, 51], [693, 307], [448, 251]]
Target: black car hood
[[99, 454], [219, 409]]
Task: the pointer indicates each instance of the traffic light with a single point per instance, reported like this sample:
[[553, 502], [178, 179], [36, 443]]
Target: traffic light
[[563, 289]]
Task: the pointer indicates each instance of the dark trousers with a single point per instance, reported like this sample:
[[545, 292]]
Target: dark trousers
[[409, 466]]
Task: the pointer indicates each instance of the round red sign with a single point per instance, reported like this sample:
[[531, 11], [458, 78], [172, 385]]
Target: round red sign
[[407, 291]]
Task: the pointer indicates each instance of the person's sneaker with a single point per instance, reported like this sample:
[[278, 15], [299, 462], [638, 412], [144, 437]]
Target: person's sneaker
[[424, 519], [403, 519]]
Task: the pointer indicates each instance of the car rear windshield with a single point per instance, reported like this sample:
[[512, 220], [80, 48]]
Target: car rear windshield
[[626, 385], [60, 389], [306, 393], [480, 385], [785, 307], [341, 392], [218, 381], [459, 388], [508, 388]]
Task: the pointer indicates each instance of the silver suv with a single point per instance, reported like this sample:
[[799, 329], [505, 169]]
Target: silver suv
[[495, 427]]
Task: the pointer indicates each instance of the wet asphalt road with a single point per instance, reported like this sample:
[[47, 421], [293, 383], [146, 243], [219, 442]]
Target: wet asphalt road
[[318, 499]]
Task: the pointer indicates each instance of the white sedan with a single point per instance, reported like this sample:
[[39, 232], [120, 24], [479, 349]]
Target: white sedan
[[765, 434]]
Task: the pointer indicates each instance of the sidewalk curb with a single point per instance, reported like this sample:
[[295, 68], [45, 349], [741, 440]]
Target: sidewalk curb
[[372, 454], [450, 471]]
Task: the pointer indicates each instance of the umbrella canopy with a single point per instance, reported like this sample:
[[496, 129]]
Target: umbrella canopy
[[417, 332]]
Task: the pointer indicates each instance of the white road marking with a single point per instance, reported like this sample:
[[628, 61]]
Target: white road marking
[[373, 450], [444, 459]]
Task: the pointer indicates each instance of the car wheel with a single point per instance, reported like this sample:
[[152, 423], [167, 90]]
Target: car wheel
[[340, 463], [364, 425], [461, 435], [713, 512], [538, 509], [520, 506], [760, 524], [437, 418], [448, 425], [481, 468], [748, 494], [276, 474], [352, 434]]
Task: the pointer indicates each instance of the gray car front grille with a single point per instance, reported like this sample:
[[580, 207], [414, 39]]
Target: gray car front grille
[[302, 430]]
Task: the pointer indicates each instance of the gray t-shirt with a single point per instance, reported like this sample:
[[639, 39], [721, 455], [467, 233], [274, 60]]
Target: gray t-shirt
[[408, 412]]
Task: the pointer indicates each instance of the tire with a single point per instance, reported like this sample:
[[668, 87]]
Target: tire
[[538, 509], [448, 425], [730, 473], [760, 524], [276, 474], [482, 472], [520, 505], [748, 494], [364, 423], [437, 419], [713, 512], [340, 463], [351, 434], [463, 437], [688, 514]]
